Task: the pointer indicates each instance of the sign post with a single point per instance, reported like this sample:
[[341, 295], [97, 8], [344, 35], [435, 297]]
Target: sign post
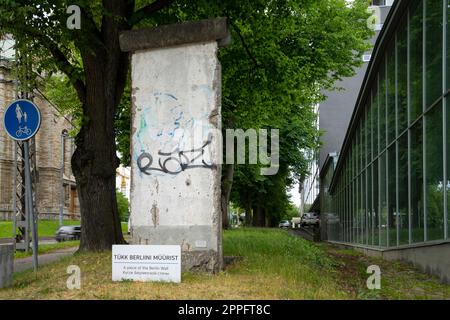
[[22, 121]]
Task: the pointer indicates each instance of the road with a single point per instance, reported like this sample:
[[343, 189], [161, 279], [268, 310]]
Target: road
[[27, 263], [44, 240]]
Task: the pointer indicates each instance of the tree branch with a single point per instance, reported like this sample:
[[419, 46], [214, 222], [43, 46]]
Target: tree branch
[[65, 66], [61, 62], [142, 13], [244, 44]]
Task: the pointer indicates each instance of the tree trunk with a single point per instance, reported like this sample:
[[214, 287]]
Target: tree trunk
[[258, 216], [248, 211], [255, 216], [261, 217], [267, 218], [227, 183], [94, 162]]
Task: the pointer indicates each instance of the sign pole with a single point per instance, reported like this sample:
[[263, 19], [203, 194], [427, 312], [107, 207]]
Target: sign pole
[[29, 203], [22, 120]]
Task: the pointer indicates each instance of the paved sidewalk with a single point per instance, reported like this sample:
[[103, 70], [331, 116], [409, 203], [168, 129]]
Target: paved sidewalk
[[42, 240], [27, 263]]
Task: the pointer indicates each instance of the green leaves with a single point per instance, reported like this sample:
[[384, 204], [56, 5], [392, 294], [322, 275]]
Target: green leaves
[[283, 54]]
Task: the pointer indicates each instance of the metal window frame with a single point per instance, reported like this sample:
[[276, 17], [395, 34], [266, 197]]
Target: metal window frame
[[445, 26], [379, 162], [424, 122], [408, 116], [352, 187], [386, 187], [397, 200]]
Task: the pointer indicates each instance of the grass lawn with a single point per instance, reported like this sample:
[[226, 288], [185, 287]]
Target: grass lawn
[[398, 280], [48, 248], [46, 228], [275, 265]]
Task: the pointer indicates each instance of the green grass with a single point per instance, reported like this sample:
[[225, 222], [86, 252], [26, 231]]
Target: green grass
[[274, 265], [48, 248], [398, 280], [46, 228], [124, 226]]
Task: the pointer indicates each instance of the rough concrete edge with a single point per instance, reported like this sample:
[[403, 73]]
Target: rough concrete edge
[[385, 254], [200, 261], [176, 34], [217, 85], [133, 130]]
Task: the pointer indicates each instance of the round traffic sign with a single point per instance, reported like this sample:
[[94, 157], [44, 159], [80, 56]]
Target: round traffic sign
[[22, 120]]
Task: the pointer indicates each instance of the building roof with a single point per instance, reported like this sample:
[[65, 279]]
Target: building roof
[[386, 34]]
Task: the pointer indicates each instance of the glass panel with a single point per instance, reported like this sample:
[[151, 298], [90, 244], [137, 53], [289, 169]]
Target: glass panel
[[391, 92], [358, 149], [375, 123], [347, 215], [403, 189], [363, 142], [448, 166], [369, 206], [434, 174], [341, 213], [363, 208], [417, 182], [416, 60], [354, 211], [402, 78], [382, 105], [433, 50], [369, 134], [392, 197], [358, 210], [344, 194], [375, 216], [448, 43], [351, 201], [383, 201]]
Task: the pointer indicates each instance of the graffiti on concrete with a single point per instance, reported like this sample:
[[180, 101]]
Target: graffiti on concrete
[[177, 161]]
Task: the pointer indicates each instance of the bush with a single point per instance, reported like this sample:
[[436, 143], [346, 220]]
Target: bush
[[123, 205]]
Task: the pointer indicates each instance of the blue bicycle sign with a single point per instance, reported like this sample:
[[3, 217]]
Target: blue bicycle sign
[[22, 120]]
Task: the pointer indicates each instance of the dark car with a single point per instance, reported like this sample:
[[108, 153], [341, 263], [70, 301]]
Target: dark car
[[67, 233]]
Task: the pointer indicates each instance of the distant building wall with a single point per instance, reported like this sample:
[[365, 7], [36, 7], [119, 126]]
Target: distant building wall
[[335, 112], [48, 158], [391, 188]]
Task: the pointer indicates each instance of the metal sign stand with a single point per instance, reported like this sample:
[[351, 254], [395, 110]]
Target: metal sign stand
[[29, 204], [21, 221], [22, 121]]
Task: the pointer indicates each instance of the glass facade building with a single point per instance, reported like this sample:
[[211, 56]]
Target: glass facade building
[[391, 184]]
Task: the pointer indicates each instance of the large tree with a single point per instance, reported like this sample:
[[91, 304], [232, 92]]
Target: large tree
[[97, 68], [283, 53]]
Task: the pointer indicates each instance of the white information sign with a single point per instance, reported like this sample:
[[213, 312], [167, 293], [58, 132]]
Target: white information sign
[[146, 263]]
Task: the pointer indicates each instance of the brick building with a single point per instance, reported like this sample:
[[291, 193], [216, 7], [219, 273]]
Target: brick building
[[49, 156]]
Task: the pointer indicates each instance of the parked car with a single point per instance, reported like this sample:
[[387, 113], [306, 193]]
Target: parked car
[[309, 219], [295, 222], [284, 224], [66, 233]]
